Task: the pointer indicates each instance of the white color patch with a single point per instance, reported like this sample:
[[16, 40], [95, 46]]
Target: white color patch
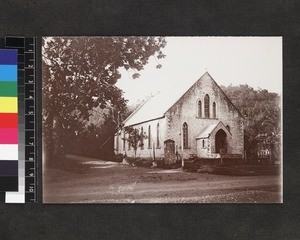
[[9, 152]]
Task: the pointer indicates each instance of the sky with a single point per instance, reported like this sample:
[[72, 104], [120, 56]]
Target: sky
[[256, 61]]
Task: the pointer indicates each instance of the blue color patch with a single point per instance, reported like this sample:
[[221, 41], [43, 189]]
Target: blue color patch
[[8, 57], [8, 72]]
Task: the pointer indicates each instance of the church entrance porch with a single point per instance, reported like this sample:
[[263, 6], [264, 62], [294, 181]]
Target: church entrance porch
[[213, 141]]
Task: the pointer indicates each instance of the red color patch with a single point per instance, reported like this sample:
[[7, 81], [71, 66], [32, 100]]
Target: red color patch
[[8, 120]]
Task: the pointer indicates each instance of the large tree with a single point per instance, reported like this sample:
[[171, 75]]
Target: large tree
[[261, 111], [79, 74]]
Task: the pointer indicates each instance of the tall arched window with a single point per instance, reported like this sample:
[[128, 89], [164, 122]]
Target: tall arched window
[[117, 143], [199, 109], [124, 140], [185, 135], [142, 138], [214, 110], [206, 106], [149, 136], [157, 136]]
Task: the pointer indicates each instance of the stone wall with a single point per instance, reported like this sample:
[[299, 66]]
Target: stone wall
[[185, 110], [152, 151]]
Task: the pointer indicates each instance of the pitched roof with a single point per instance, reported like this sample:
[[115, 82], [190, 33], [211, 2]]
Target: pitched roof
[[207, 131], [156, 106], [153, 108]]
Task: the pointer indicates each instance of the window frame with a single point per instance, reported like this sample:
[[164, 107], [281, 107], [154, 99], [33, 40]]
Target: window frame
[[199, 108], [185, 136], [142, 138], [214, 105], [206, 106], [124, 141], [149, 137], [157, 136]]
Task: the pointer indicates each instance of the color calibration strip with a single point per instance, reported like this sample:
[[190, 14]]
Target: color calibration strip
[[26, 119], [9, 120]]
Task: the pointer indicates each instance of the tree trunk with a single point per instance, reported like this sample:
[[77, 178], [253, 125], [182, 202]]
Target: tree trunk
[[58, 142], [48, 141]]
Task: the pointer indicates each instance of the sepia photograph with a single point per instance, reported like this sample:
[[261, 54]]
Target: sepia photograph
[[162, 119]]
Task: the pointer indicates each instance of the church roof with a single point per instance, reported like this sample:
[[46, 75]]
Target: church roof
[[207, 131], [156, 106], [153, 108]]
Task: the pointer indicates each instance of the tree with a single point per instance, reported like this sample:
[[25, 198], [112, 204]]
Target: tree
[[79, 74], [261, 111], [135, 138]]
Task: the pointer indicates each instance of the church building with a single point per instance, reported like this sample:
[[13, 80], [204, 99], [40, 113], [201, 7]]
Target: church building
[[200, 122]]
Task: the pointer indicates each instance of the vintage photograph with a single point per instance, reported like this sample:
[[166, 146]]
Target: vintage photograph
[[162, 119]]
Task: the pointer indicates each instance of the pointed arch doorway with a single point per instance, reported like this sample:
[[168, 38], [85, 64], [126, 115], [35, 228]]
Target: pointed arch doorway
[[221, 141]]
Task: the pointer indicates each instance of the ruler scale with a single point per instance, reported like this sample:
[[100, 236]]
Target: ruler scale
[[26, 99]]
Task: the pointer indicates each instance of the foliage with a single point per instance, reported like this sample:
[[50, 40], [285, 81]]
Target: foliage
[[261, 110], [79, 74], [135, 138]]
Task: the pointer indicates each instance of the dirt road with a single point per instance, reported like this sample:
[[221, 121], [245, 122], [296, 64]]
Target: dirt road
[[111, 182]]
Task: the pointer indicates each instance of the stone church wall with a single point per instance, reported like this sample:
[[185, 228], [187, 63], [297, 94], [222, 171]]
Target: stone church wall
[[185, 110], [146, 151]]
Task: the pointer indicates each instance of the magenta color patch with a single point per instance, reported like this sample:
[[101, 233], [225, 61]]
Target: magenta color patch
[[8, 136]]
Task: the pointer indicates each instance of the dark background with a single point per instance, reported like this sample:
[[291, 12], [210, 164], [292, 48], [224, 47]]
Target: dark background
[[167, 18]]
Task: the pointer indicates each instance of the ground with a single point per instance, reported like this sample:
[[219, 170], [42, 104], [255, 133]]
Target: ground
[[111, 182]]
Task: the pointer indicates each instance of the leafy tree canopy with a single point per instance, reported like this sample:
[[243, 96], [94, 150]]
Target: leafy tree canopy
[[135, 137], [261, 110], [79, 74]]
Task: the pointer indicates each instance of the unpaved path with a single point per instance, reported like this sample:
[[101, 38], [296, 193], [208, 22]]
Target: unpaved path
[[110, 182]]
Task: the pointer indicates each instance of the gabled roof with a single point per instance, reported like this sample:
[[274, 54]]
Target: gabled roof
[[156, 106], [153, 108], [207, 131]]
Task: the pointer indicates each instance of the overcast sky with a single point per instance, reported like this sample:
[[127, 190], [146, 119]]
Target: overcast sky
[[256, 61]]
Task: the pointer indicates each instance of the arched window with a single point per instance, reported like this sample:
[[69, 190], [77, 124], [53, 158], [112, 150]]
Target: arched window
[[129, 145], [185, 135], [203, 144], [142, 138], [199, 108], [206, 106], [124, 140], [214, 110], [157, 136], [117, 143], [149, 136]]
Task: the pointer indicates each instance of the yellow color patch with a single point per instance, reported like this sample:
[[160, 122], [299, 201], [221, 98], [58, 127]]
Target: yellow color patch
[[8, 105]]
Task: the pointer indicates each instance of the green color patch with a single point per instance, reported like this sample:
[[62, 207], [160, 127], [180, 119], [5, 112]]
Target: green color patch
[[8, 89]]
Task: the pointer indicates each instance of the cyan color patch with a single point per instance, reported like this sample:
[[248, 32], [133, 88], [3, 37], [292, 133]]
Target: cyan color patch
[[8, 72]]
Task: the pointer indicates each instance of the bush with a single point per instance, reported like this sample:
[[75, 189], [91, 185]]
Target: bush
[[118, 157]]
